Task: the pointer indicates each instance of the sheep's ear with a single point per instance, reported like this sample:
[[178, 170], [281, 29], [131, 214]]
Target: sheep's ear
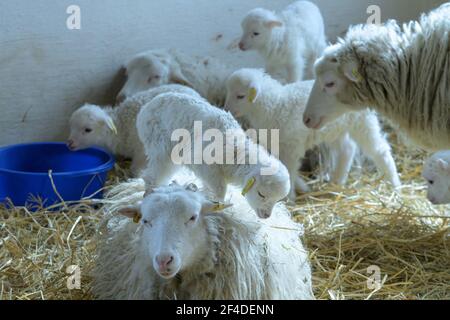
[[176, 76], [351, 71], [253, 93], [132, 212], [111, 125], [192, 187], [443, 165], [106, 120], [248, 186], [273, 24], [213, 206]]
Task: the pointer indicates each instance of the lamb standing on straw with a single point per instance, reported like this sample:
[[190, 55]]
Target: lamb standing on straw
[[289, 42], [270, 105], [183, 246]]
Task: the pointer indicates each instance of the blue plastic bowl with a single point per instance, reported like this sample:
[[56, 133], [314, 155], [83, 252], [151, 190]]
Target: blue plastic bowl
[[24, 173]]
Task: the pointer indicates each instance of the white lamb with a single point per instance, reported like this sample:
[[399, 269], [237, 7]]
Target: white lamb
[[289, 42], [183, 246], [115, 128], [436, 172], [172, 124], [270, 105], [402, 73], [158, 67]]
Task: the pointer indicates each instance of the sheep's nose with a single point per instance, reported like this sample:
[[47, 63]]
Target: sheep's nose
[[70, 143], [241, 46], [164, 261], [120, 98]]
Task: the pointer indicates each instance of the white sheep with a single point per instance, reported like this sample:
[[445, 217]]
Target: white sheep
[[402, 73], [268, 104], [172, 124], [153, 68], [436, 172], [115, 128], [182, 245], [289, 42]]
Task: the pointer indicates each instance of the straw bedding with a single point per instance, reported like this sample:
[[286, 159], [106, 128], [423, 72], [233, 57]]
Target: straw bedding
[[347, 230]]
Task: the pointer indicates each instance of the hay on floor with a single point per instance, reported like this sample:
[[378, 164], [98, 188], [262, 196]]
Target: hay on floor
[[350, 232]]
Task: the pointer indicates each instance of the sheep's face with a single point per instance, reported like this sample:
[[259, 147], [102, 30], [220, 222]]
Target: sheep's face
[[264, 191], [173, 232], [243, 89], [437, 174], [143, 74], [90, 126], [333, 91], [257, 28]]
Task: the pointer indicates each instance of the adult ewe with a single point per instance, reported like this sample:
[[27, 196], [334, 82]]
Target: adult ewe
[[402, 73], [183, 246]]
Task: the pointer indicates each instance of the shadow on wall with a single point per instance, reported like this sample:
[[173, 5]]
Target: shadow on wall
[[113, 89]]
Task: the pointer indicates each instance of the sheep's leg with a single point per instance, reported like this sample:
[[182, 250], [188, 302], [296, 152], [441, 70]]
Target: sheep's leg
[[344, 149], [374, 145], [291, 161], [138, 164], [158, 171], [300, 185]]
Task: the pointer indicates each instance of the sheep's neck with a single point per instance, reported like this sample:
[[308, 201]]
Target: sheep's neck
[[269, 102], [276, 45]]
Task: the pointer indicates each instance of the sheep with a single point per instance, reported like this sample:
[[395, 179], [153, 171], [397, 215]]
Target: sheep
[[269, 104], [437, 174], [179, 244], [401, 72], [171, 124], [158, 67], [115, 128], [289, 42]]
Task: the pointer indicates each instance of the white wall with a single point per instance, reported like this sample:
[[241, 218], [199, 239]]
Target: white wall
[[46, 70]]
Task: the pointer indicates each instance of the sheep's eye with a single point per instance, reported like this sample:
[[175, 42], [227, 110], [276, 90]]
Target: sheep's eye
[[240, 97], [256, 34], [192, 219], [261, 195], [333, 60], [430, 181], [156, 77], [146, 222], [88, 130], [330, 85]]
